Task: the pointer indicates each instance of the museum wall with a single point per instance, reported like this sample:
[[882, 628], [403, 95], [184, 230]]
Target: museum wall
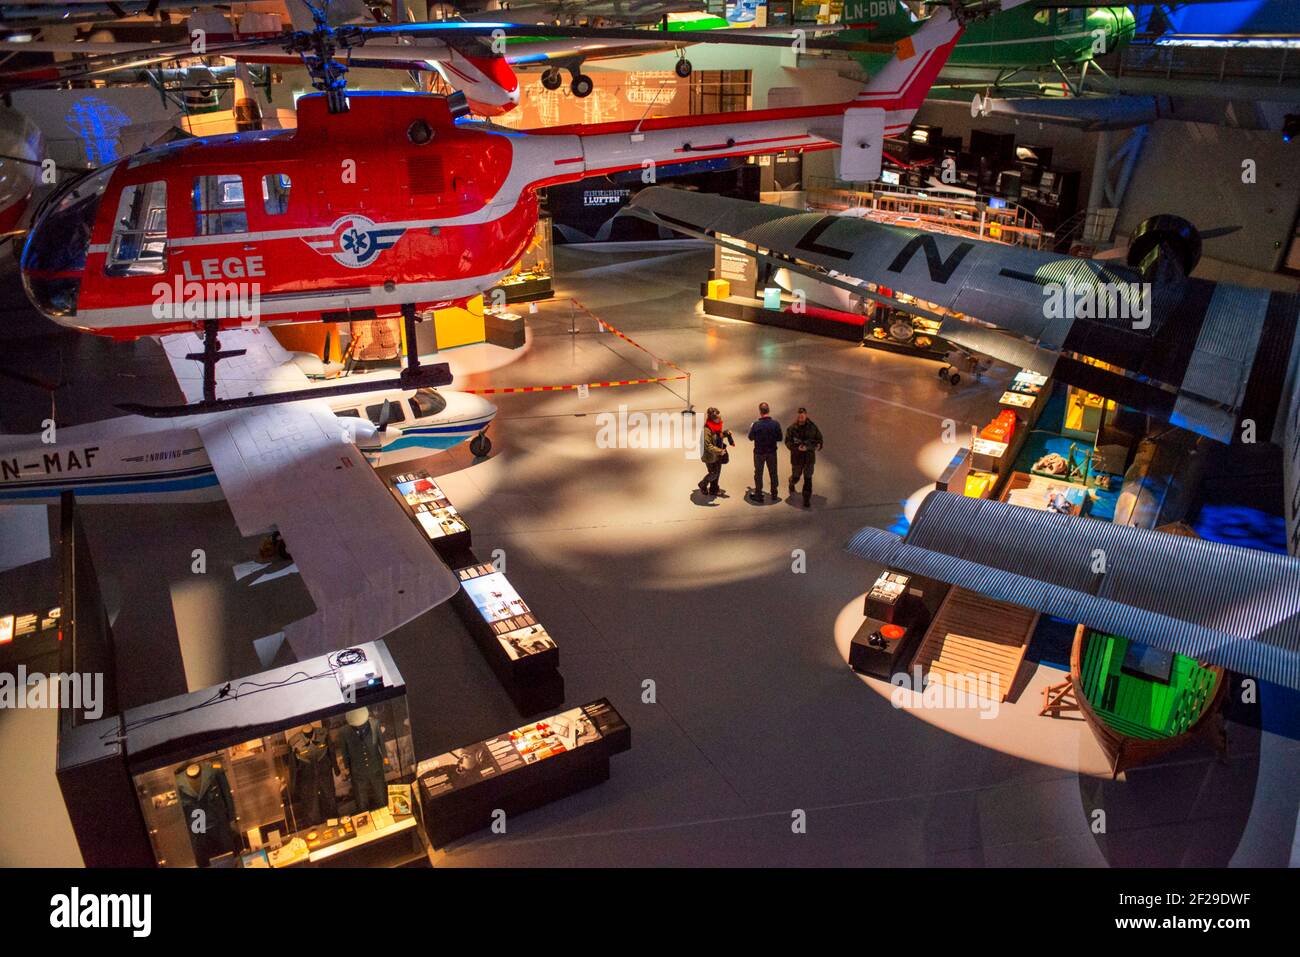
[[1163, 182]]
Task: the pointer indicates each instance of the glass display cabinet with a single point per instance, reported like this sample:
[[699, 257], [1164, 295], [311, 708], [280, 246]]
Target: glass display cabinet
[[301, 765]]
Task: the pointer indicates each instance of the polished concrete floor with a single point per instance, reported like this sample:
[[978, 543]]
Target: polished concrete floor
[[710, 624]]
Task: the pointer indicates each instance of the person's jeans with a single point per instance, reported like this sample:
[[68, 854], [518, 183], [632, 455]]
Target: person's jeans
[[801, 465], [714, 475], [761, 459]]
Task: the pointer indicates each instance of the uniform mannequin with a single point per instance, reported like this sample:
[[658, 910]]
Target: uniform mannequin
[[311, 775], [209, 810], [363, 756]]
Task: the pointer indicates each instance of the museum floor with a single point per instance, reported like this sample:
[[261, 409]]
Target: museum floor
[[755, 712]]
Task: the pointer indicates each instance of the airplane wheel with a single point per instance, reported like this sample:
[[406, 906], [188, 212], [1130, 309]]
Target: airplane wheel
[[480, 446], [943, 373], [682, 68], [551, 79], [581, 86], [954, 378]]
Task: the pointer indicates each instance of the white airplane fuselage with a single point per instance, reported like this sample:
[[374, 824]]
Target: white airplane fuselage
[[133, 459]]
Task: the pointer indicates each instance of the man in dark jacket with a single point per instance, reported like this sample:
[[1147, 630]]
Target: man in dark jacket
[[765, 433], [804, 440]]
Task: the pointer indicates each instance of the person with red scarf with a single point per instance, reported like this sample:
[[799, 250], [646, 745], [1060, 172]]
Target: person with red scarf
[[713, 452]]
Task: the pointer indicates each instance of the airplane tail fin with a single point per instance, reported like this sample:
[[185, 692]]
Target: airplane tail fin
[[887, 104], [878, 20]]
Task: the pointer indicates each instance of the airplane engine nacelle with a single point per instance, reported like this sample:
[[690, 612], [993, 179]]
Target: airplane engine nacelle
[[1164, 250], [1162, 236]]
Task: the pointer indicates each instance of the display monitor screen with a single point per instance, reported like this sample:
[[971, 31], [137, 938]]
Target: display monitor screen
[[494, 597], [889, 176], [1143, 661]]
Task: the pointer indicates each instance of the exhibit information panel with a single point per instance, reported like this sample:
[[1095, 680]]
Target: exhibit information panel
[[513, 625], [438, 518], [533, 764]]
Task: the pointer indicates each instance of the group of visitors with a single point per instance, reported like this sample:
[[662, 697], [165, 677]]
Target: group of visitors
[[802, 438]]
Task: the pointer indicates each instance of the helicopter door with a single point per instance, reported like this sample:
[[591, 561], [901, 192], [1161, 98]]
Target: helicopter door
[[139, 243]]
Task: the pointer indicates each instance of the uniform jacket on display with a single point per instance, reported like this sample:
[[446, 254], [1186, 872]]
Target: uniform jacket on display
[[363, 755], [807, 435], [765, 433], [311, 777], [209, 810]]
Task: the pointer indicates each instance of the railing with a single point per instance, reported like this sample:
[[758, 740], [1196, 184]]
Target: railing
[[1277, 65], [905, 205], [1087, 232]]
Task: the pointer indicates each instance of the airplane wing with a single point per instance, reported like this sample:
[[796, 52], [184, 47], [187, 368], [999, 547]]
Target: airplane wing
[[293, 467], [543, 51], [1225, 605], [1190, 349]]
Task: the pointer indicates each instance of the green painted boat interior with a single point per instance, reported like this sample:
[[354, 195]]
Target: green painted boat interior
[[1141, 707]]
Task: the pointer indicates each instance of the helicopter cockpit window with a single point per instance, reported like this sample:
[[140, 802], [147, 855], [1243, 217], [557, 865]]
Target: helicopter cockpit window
[[395, 413], [275, 193], [426, 402], [139, 243], [219, 205]]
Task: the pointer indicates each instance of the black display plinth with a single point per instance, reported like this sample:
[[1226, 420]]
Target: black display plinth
[[427, 505], [531, 289], [895, 602], [524, 657], [753, 311], [467, 789], [886, 660]]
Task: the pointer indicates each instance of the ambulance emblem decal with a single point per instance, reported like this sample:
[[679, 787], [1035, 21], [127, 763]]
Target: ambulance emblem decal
[[355, 241]]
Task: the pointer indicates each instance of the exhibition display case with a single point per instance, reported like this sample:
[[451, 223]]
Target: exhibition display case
[[896, 331], [530, 278], [303, 765], [427, 503], [521, 652], [460, 792]]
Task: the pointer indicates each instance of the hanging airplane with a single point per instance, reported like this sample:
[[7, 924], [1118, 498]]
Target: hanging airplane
[[480, 66], [380, 205], [1215, 359], [1026, 37], [280, 466]]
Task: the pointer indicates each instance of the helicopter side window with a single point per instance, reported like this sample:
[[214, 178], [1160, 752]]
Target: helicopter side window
[[275, 193], [395, 413], [426, 402], [219, 205], [139, 243]]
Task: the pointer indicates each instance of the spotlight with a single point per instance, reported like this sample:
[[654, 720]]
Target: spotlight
[[1290, 126]]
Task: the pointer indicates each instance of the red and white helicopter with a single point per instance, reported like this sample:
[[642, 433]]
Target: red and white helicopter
[[380, 204]]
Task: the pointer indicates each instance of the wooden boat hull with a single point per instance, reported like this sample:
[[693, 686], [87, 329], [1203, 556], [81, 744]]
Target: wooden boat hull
[[1125, 751]]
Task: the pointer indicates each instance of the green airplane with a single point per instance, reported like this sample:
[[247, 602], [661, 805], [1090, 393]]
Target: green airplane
[[1023, 38]]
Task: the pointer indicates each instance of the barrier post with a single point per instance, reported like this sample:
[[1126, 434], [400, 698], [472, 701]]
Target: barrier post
[[690, 409]]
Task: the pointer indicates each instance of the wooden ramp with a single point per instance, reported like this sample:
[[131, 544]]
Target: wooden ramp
[[973, 636]]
